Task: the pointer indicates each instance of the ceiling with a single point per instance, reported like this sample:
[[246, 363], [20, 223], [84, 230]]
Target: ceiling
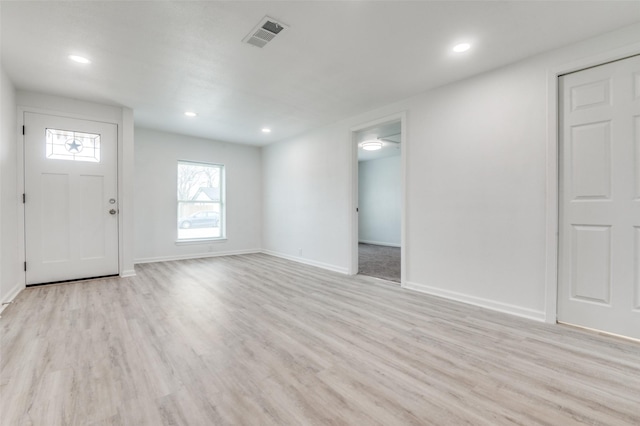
[[335, 59], [389, 134]]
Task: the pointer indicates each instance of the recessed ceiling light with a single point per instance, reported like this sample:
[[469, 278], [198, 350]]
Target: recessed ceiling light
[[462, 47], [372, 145], [190, 114], [79, 59], [266, 130]]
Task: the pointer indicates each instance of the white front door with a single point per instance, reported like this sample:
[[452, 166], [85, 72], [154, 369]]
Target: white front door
[[71, 203], [599, 264]]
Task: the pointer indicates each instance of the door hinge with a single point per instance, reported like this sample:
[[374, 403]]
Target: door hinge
[[24, 198], [25, 266], [23, 130], [357, 210]]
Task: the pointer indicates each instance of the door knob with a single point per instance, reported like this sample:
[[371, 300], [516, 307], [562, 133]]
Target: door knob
[[112, 211]]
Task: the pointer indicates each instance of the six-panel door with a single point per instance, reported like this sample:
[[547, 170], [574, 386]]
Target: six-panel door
[[599, 275]]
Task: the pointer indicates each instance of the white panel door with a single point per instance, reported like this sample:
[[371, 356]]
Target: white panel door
[[599, 264], [71, 207]]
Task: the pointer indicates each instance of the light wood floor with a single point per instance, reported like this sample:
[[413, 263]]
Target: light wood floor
[[259, 340]]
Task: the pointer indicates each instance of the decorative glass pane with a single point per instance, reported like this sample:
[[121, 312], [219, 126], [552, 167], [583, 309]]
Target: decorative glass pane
[[74, 146]]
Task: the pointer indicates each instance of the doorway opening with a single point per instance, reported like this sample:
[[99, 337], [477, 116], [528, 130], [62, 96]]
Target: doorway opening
[[379, 200]]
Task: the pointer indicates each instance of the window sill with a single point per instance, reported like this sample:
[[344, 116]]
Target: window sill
[[200, 241]]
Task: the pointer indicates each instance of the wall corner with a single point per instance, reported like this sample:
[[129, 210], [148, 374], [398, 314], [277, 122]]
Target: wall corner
[[125, 189]]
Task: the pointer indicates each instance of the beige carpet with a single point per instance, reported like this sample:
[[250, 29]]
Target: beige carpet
[[379, 261]]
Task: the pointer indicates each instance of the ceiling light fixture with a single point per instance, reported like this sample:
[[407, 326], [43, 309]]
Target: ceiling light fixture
[[79, 59], [190, 114], [266, 130], [462, 47], [372, 145]]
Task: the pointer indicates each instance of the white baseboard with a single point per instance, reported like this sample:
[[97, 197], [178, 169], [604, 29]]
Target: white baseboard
[[11, 295], [478, 301], [194, 256], [308, 262], [128, 273], [379, 243]]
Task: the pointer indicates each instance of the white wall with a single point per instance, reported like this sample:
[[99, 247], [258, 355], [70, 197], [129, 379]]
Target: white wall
[[476, 175], [10, 279], [380, 201], [156, 157], [306, 185]]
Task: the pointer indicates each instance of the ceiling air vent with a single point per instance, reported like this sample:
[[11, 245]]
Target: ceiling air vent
[[264, 32]]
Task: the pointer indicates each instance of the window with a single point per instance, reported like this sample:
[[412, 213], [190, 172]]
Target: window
[[200, 201], [73, 146]]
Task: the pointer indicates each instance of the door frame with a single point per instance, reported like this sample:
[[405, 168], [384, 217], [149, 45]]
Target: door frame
[[353, 205], [21, 181], [552, 209]]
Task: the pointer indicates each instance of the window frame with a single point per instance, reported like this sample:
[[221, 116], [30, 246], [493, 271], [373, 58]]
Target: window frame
[[222, 213]]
